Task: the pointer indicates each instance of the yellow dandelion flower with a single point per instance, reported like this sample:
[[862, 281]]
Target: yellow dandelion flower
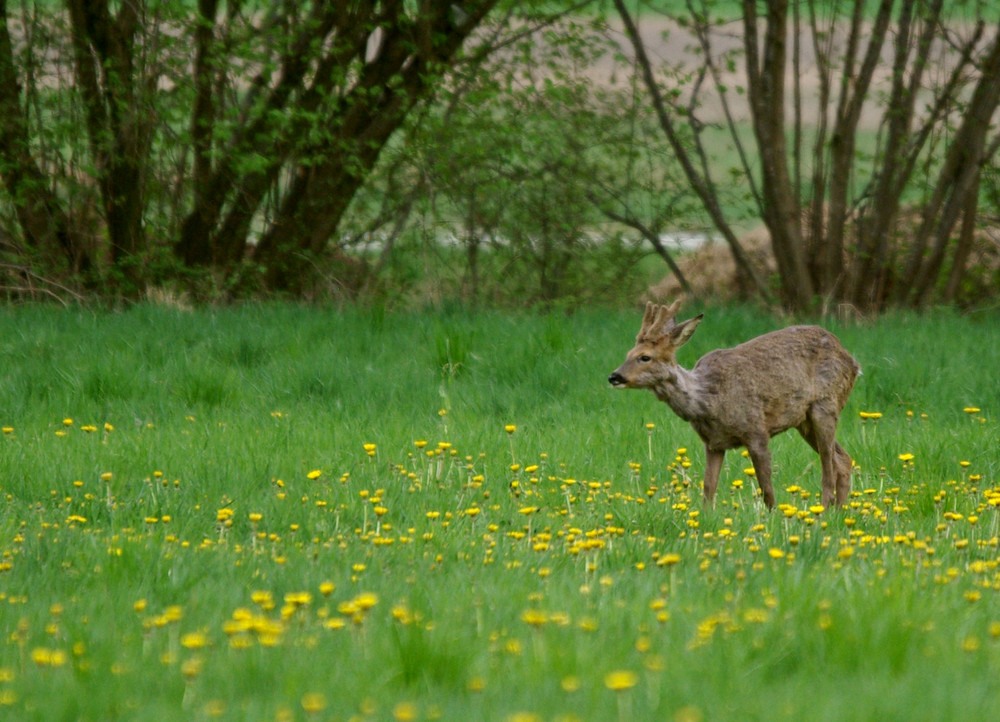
[[263, 599], [621, 680], [668, 560], [404, 712], [510, 428], [589, 624], [314, 474], [192, 667], [570, 683], [214, 708], [298, 599], [971, 409], [402, 614], [313, 702], [971, 643], [194, 640], [534, 617], [42, 656], [524, 717]]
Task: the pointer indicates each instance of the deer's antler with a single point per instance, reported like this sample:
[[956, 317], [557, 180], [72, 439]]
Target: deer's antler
[[657, 320]]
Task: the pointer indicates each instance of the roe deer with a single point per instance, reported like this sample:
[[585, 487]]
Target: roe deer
[[798, 377]]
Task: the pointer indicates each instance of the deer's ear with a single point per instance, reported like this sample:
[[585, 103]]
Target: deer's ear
[[680, 333]]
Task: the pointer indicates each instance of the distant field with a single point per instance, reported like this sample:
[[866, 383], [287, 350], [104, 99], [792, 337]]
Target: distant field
[[291, 513]]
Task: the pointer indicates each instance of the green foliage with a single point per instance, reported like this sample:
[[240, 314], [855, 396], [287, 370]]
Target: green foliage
[[500, 189], [279, 511], [237, 154]]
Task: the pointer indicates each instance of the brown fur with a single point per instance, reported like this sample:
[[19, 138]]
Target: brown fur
[[798, 377]]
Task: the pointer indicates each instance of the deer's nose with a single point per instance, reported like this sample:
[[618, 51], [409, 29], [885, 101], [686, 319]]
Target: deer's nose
[[616, 379]]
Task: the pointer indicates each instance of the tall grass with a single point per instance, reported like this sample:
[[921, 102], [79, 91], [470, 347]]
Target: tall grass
[[283, 512]]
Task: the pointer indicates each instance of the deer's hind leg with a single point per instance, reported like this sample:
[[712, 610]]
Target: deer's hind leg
[[819, 430], [843, 467]]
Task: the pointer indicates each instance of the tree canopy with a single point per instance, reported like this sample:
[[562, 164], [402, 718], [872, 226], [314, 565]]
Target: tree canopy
[[520, 151]]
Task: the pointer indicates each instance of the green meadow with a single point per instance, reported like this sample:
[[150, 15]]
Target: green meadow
[[281, 512]]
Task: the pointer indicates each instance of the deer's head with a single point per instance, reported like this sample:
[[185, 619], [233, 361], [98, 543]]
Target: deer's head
[[652, 360]]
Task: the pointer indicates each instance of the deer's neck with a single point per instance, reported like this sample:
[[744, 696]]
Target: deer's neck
[[683, 392]]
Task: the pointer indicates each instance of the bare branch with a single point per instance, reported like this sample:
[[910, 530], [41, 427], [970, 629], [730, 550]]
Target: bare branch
[[709, 200]]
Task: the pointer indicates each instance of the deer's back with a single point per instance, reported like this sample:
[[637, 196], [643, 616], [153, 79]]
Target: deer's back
[[772, 380]]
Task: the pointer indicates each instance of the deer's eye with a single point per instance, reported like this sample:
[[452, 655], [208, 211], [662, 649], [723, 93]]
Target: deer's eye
[[645, 358]]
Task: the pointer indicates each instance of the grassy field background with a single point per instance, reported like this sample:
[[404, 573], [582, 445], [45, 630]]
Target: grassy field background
[[280, 512]]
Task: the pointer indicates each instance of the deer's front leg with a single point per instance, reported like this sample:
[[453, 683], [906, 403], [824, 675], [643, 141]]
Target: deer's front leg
[[761, 457], [713, 465]]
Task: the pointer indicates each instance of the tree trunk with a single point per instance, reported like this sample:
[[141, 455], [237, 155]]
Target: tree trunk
[[966, 237], [766, 95], [958, 177], [194, 251], [229, 193], [40, 214], [118, 124], [829, 258], [338, 93], [389, 85]]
